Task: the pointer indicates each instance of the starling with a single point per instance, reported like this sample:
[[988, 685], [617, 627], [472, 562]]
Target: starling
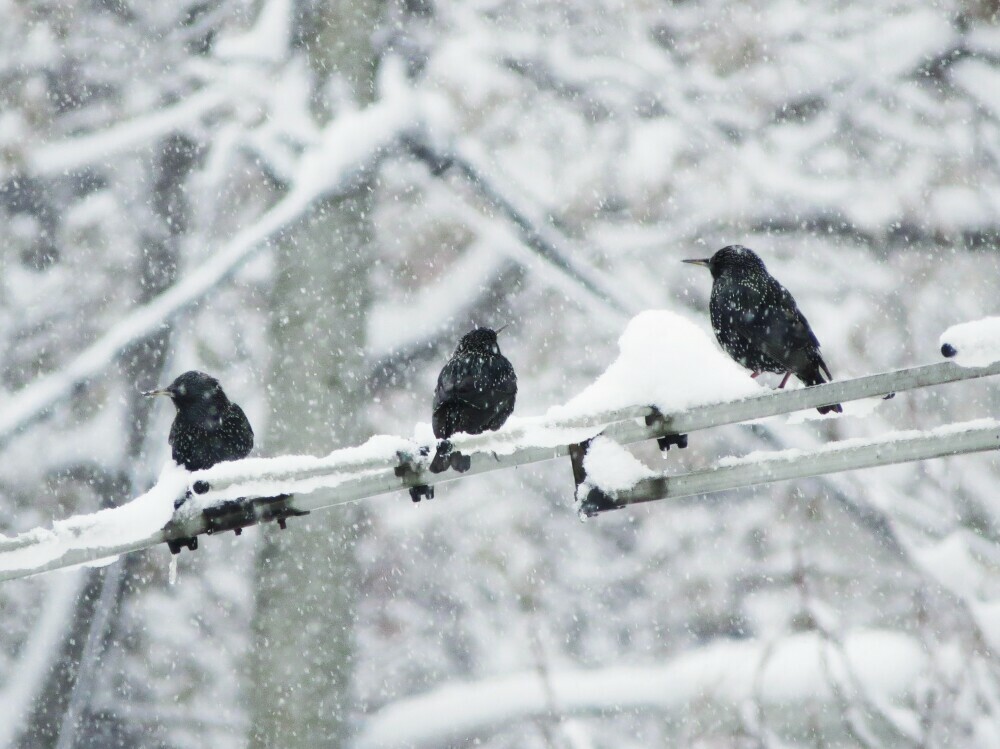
[[208, 427], [757, 321], [475, 393]]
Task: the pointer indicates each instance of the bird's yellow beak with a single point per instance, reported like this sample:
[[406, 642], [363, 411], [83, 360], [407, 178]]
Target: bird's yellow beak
[[699, 261], [161, 391]]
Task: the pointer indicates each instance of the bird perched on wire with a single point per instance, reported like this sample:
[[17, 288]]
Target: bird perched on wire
[[208, 428], [475, 393], [758, 323]]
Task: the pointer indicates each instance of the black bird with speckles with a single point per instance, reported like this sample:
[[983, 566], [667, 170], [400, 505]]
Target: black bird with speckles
[[475, 393], [208, 427], [758, 323]]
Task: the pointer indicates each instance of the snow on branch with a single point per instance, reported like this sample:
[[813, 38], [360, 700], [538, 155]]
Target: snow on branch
[[546, 243], [351, 145], [266, 41], [79, 151], [789, 679], [393, 329], [25, 679]]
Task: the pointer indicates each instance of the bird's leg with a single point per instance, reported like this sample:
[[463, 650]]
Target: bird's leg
[[459, 462], [442, 458], [754, 375], [784, 380], [178, 503]]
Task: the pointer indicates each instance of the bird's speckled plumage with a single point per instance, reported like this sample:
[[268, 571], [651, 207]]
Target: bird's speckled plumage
[[757, 321], [476, 389], [208, 427]]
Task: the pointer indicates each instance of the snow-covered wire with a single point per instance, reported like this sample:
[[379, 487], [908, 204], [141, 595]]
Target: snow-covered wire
[[385, 464], [765, 468]]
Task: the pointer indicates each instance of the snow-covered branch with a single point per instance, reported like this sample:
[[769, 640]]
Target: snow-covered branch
[[351, 145], [787, 677], [26, 679], [62, 157], [536, 231]]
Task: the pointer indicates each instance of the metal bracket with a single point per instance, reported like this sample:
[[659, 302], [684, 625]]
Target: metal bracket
[[277, 508], [177, 544], [411, 468], [596, 501], [421, 492], [237, 514], [657, 419]]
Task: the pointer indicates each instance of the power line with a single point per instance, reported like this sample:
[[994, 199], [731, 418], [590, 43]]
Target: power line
[[955, 439], [234, 495]]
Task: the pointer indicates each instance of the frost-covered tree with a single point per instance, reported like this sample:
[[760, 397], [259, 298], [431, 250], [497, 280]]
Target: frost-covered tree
[[852, 147], [326, 196]]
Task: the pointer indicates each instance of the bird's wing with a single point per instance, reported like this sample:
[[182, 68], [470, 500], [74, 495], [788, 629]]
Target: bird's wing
[[766, 316], [791, 340], [475, 382], [237, 427]]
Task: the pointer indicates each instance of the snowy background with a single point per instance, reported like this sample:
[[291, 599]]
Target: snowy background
[[232, 186]]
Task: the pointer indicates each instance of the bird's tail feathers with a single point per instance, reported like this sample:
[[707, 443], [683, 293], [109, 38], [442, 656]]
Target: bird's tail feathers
[[814, 376], [442, 457], [826, 369]]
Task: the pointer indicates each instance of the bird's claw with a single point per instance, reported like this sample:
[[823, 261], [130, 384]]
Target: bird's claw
[[459, 462], [442, 457], [178, 503]]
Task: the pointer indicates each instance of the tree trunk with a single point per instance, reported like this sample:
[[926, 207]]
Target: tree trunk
[[303, 617], [301, 659]]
